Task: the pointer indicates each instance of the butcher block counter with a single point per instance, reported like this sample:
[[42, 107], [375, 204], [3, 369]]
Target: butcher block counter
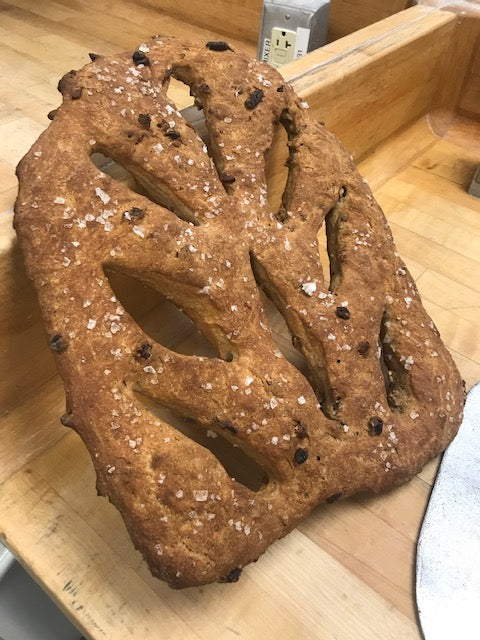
[[403, 95]]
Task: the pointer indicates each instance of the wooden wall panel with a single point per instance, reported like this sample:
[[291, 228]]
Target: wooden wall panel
[[406, 57], [242, 18], [347, 16]]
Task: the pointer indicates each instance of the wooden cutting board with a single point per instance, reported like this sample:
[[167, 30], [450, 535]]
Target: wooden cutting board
[[348, 570]]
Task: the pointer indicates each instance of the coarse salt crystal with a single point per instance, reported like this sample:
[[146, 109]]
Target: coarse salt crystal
[[114, 327], [104, 197], [149, 369], [59, 200], [201, 495], [301, 400], [273, 403], [179, 493], [91, 324], [309, 288]]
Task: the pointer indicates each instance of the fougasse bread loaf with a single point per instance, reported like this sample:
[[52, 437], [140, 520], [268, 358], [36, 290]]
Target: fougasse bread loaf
[[385, 396]]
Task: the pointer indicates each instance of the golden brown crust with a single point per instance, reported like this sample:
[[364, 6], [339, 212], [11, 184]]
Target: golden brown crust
[[193, 523]]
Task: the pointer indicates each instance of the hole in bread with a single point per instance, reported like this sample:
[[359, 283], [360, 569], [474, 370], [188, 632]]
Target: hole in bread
[[192, 109], [323, 252], [116, 171], [195, 115], [177, 93], [328, 245], [236, 461], [276, 171], [384, 366], [286, 170], [140, 182], [394, 370], [283, 337], [329, 249], [289, 345], [160, 319]]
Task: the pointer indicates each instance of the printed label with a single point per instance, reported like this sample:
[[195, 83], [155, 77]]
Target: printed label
[[266, 49], [301, 44]]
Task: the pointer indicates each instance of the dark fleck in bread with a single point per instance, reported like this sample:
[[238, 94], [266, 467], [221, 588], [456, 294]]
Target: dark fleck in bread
[[386, 396]]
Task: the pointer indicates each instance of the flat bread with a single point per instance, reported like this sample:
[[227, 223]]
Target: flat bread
[[383, 395]]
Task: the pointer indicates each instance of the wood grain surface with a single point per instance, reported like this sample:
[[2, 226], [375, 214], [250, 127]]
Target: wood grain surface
[[348, 571], [242, 18]]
